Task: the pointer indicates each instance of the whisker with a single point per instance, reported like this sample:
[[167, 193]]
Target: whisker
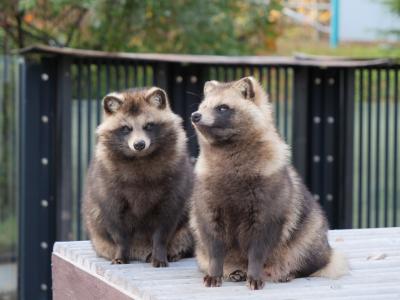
[[193, 94], [191, 137]]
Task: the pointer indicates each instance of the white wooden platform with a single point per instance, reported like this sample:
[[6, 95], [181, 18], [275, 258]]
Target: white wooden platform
[[374, 256]]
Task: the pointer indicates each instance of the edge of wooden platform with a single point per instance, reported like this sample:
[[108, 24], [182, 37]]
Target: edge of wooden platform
[[71, 281]]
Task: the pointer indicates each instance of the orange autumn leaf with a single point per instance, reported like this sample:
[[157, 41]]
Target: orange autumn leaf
[[28, 18]]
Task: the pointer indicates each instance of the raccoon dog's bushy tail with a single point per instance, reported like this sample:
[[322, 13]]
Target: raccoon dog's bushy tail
[[337, 267]]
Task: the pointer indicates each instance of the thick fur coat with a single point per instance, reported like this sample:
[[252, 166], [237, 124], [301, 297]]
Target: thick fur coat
[[140, 180], [252, 216]]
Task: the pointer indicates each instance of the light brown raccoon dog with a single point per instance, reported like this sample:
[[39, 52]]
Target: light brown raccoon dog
[[251, 214], [140, 181]]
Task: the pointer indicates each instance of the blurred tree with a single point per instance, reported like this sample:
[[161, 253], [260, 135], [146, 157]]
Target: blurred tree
[[55, 22], [394, 7], [179, 26]]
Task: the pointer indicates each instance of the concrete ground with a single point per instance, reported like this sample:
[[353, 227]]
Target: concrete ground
[[8, 281]]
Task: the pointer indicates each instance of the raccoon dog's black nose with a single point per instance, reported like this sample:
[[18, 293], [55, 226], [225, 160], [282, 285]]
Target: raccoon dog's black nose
[[139, 146], [196, 117]]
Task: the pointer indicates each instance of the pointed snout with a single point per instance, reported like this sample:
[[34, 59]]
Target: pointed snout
[[196, 117]]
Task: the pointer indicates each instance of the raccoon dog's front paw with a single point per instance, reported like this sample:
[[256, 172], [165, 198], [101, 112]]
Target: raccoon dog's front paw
[[159, 263], [212, 281], [255, 284]]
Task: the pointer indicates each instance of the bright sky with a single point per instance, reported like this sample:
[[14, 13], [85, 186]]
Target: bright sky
[[361, 20]]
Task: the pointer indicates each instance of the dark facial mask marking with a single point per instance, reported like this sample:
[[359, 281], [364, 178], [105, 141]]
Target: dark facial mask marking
[[223, 117]]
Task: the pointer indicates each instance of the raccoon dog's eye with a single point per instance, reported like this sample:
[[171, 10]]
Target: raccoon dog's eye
[[126, 129], [149, 126], [222, 108]]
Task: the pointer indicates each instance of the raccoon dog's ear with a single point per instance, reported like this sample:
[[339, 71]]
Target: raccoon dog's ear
[[157, 97], [112, 102], [246, 87], [209, 85]]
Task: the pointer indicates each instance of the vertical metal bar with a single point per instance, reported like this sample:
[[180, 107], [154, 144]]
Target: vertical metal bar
[[177, 87], [89, 112], [243, 69], [360, 166], [99, 96], [387, 85], [291, 111], [220, 73], [144, 68], [230, 74], [345, 162], [152, 72], [161, 79], [225, 72], [107, 77], [277, 98], [63, 147], [396, 107], [269, 82], [369, 162], [135, 74], [300, 125], [126, 73], [252, 71], [260, 76], [117, 76], [79, 150], [286, 117], [235, 75], [377, 195]]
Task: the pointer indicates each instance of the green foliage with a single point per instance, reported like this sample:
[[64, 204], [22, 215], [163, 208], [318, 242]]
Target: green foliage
[[8, 154], [179, 26], [393, 5], [8, 234]]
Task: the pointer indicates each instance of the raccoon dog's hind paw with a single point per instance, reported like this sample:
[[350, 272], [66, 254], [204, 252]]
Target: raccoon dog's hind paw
[[237, 276], [119, 261]]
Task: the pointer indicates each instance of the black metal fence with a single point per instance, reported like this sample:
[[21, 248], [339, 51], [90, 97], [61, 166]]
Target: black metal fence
[[340, 118], [376, 147]]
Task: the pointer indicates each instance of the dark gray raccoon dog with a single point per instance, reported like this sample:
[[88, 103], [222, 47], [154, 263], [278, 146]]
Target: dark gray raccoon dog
[[139, 182], [252, 216]]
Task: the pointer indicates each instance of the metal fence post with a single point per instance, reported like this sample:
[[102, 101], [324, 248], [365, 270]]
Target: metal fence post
[[63, 149], [345, 149], [323, 134], [37, 207], [300, 116], [184, 85]]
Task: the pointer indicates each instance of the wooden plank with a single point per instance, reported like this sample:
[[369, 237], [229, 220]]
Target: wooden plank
[[368, 279], [71, 282]]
